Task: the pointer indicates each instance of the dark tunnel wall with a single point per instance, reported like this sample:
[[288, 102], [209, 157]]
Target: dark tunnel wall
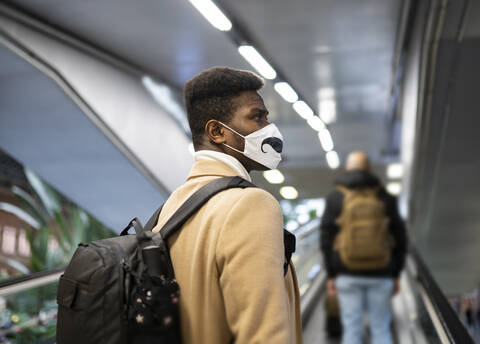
[[444, 206]]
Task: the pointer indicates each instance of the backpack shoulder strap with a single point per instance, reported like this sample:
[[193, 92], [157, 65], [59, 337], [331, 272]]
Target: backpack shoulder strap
[[197, 200], [375, 190], [343, 189], [346, 192], [153, 219], [369, 191], [136, 224]]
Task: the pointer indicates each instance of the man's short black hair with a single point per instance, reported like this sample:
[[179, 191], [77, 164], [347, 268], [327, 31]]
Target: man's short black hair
[[209, 95]]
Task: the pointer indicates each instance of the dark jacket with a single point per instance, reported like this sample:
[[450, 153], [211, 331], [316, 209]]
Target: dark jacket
[[329, 228]]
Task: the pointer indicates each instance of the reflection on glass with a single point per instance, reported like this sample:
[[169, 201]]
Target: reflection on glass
[[39, 230], [302, 217], [29, 316], [307, 258]]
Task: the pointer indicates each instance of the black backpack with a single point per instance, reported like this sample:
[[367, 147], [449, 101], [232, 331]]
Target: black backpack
[[123, 290]]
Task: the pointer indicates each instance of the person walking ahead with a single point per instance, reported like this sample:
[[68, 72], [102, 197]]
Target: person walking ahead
[[236, 284], [363, 241]]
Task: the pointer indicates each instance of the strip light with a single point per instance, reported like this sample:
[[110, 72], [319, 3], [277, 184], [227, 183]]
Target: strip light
[[332, 159], [395, 171], [257, 61], [326, 93], [328, 110], [303, 109], [394, 188], [274, 176], [213, 14], [288, 192], [325, 140], [286, 91], [316, 123]]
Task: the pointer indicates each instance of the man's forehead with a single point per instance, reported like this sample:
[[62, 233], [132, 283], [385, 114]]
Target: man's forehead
[[251, 98]]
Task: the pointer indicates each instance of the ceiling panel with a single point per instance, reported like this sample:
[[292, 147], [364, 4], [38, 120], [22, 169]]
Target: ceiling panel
[[347, 45], [168, 38]]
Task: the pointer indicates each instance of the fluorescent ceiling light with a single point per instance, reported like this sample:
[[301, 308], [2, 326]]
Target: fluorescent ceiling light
[[332, 159], [395, 171], [257, 61], [326, 93], [274, 176], [213, 14], [288, 192], [303, 109], [328, 110], [325, 140], [316, 123], [394, 188], [286, 91]]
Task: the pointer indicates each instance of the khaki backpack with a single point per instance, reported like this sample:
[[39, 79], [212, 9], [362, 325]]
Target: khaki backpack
[[364, 241]]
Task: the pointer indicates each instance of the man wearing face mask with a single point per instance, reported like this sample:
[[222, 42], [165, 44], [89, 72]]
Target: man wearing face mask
[[231, 259]]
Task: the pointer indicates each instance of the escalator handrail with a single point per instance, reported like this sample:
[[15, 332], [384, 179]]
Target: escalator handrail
[[30, 277], [452, 325], [310, 300]]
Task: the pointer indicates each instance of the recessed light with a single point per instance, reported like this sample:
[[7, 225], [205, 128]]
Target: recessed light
[[395, 170], [394, 188], [288, 192], [274, 176]]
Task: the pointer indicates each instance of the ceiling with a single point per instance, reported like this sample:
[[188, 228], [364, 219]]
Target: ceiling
[[344, 45]]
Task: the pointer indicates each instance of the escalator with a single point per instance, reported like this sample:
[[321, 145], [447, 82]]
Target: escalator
[[28, 308], [422, 314]]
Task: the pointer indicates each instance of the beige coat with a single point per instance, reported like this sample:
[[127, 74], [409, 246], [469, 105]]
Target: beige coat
[[228, 261]]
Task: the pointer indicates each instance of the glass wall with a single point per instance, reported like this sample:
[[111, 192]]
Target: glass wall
[[39, 227], [302, 218], [39, 231]]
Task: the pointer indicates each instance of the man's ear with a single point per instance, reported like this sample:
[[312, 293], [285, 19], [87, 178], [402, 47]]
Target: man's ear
[[215, 131]]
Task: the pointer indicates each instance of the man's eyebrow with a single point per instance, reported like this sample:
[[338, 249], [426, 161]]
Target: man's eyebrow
[[259, 111]]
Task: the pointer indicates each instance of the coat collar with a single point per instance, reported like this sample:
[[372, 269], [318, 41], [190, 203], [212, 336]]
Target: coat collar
[[228, 160], [203, 168]]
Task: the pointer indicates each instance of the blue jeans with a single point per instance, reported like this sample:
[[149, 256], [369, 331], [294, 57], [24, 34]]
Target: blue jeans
[[359, 294]]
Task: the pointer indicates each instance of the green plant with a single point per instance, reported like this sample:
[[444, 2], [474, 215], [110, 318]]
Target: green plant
[[58, 219]]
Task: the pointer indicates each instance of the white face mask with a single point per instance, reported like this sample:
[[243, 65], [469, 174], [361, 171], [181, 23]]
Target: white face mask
[[263, 146]]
